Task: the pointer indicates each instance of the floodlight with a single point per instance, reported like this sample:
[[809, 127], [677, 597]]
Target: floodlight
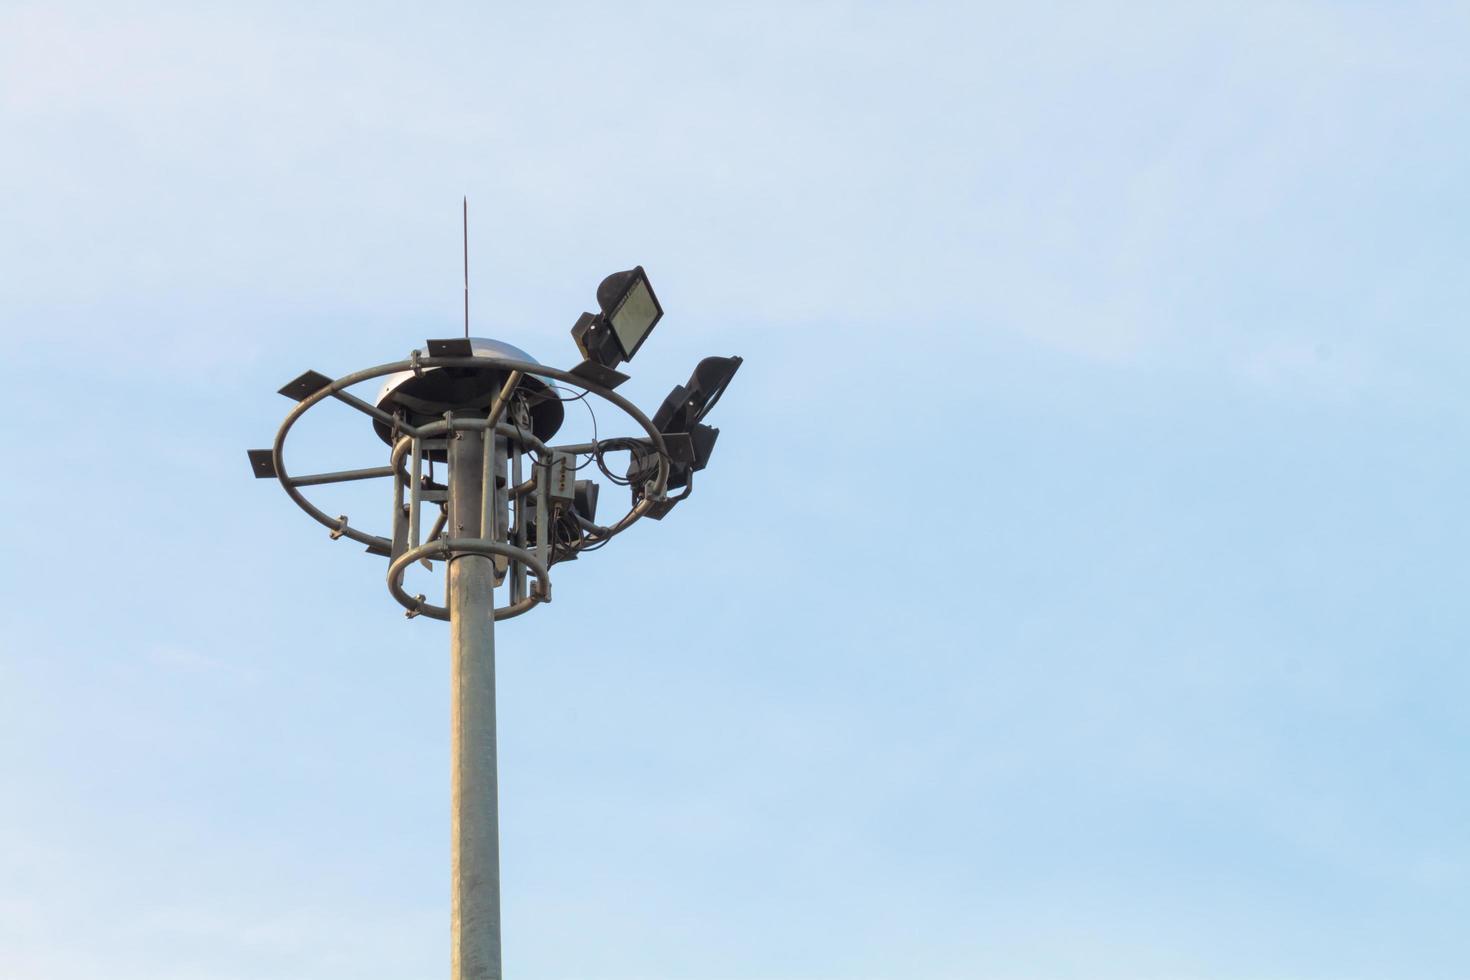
[[703, 437], [688, 442], [644, 467], [629, 311], [585, 502], [594, 338], [570, 522], [686, 450], [700, 442], [688, 403], [628, 303]]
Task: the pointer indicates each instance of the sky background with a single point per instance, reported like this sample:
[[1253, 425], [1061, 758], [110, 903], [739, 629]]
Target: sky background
[[1077, 591]]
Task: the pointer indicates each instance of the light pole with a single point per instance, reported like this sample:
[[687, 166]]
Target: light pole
[[509, 508], [474, 916]]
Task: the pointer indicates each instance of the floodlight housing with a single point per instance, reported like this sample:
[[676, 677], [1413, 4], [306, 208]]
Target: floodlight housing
[[689, 452], [585, 502], [703, 437], [688, 442], [688, 403], [629, 312], [569, 521], [594, 338]]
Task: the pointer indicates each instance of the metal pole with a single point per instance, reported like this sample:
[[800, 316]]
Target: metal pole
[[474, 821]]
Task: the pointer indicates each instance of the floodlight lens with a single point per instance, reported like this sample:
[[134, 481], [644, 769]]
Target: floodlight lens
[[635, 316], [630, 307]]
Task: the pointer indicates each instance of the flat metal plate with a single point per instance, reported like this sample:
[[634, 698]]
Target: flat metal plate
[[305, 386], [599, 375], [377, 548], [262, 464], [454, 347]]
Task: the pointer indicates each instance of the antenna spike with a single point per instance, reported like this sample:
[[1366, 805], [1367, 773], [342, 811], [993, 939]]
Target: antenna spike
[[467, 266]]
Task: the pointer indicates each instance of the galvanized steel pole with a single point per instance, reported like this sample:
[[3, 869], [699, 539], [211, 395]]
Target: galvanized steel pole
[[474, 820]]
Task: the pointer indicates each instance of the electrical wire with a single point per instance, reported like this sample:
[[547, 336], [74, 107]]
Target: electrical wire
[[563, 544], [601, 447], [552, 386]]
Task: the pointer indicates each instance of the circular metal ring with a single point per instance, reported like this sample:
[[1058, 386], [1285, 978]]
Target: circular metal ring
[[450, 548], [417, 362]]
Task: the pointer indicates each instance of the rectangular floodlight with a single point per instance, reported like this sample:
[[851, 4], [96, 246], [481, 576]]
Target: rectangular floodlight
[[680, 446], [628, 303], [702, 437]]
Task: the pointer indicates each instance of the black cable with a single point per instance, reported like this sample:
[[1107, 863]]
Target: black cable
[[590, 412]]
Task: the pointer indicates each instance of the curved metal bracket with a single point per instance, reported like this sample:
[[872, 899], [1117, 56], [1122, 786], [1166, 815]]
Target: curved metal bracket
[[450, 548]]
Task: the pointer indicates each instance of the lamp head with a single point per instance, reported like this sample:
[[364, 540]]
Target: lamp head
[[629, 312], [689, 442], [688, 403], [630, 307]]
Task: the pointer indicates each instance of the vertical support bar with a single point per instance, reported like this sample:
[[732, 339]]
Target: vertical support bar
[[543, 522], [400, 517], [488, 495], [492, 509], [474, 820], [518, 570], [415, 488], [501, 508]]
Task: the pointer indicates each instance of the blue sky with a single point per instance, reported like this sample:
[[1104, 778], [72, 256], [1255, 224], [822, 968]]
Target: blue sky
[[1077, 590]]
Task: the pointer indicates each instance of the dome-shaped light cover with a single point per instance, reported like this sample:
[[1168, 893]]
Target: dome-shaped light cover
[[426, 395]]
